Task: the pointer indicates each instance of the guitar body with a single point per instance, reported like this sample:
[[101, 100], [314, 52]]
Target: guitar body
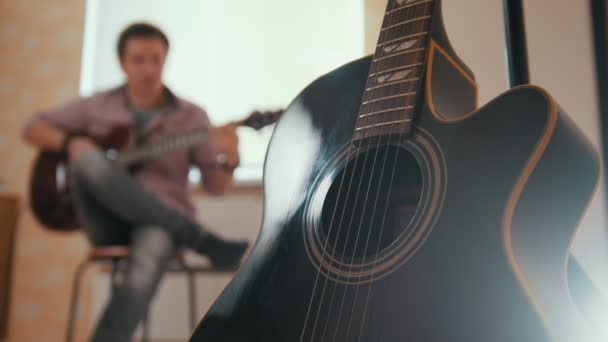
[[50, 197], [49, 187], [478, 255]]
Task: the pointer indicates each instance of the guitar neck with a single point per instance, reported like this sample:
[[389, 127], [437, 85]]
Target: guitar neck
[[397, 69], [155, 149], [152, 150]]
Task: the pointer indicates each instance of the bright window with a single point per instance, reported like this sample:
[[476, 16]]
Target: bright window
[[231, 57]]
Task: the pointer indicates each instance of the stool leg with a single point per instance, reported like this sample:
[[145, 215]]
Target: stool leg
[[113, 275], [193, 300], [78, 275], [145, 325]]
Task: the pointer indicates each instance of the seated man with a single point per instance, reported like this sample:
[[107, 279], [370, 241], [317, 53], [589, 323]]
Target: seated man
[[150, 211]]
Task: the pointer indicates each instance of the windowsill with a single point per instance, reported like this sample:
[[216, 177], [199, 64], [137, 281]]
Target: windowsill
[[240, 188], [248, 180]]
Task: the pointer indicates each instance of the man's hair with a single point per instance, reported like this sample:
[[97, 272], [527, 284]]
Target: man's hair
[[139, 30]]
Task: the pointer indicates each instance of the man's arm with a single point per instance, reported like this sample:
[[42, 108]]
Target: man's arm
[[218, 165], [217, 156], [217, 182], [45, 136], [49, 130]]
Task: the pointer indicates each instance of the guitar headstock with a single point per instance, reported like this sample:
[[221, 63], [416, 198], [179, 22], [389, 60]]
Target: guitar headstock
[[259, 119]]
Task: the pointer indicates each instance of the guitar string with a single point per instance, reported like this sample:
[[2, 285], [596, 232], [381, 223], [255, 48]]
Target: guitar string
[[373, 214], [350, 224], [323, 253], [342, 301], [346, 286], [330, 231], [346, 201], [429, 8], [352, 148], [410, 13], [354, 170], [354, 249]]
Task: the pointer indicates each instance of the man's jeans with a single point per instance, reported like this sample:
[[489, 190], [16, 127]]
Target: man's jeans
[[115, 210]]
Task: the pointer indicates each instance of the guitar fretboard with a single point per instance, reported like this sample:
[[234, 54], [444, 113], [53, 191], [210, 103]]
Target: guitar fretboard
[[141, 153], [153, 150], [392, 88]]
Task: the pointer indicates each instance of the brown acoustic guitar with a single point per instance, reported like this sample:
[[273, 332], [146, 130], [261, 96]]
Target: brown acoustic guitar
[[49, 191]]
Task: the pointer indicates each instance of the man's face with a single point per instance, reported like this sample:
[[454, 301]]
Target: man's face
[[142, 61]]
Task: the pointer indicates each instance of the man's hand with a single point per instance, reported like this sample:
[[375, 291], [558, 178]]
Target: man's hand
[[217, 178], [225, 140], [78, 145]]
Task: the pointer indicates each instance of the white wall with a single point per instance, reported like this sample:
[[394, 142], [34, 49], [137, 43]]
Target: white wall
[[230, 57]]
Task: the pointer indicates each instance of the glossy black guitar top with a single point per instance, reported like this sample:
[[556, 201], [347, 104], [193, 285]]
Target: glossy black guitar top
[[396, 210]]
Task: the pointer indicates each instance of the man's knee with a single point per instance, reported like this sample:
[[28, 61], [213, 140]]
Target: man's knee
[[91, 167], [154, 242]]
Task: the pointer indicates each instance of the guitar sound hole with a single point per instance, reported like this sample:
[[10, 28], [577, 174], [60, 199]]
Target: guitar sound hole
[[378, 209]]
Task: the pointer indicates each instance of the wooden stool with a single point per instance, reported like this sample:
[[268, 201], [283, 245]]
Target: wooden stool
[[113, 255], [9, 212]]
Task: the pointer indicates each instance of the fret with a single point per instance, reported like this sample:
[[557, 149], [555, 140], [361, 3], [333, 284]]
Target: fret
[[408, 15], [395, 69], [403, 38], [405, 22], [393, 76], [383, 124], [393, 83], [393, 89], [384, 111], [153, 149], [389, 97], [406, 45], [401, 31], [396, 61], [391, 93], [394, 104], [373, 135], [397, 54], [385, 117], [406, 7]]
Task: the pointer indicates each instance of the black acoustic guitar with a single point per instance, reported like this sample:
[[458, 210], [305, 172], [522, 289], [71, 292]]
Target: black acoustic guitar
[[396, 210], [50, 197]]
